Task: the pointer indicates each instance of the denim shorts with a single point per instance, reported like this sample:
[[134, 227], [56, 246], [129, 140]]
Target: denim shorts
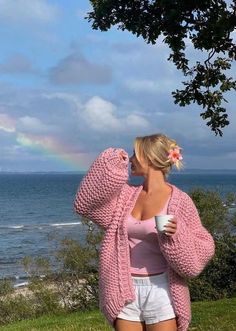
[[153, 302]]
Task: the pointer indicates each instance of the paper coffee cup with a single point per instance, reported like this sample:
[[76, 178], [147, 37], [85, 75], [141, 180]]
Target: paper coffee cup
[[161, 221]]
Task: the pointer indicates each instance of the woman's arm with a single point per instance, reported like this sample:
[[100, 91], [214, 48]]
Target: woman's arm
[[97, 195], [191, 247]]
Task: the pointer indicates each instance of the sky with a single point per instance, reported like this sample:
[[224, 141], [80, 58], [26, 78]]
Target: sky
[[67, 92]]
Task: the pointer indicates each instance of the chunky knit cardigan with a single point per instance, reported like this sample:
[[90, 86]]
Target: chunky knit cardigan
[[106, 198]]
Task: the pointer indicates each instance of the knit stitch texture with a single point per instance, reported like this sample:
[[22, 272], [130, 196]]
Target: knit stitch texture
[[106, 198]]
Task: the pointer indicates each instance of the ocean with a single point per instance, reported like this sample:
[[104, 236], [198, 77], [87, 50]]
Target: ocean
[[36, 212]]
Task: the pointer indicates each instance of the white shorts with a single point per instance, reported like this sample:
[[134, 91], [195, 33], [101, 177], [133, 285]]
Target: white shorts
[[152, 303]]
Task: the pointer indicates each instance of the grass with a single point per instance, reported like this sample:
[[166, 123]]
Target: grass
[[214, 315], [88, 321], [207, 316]]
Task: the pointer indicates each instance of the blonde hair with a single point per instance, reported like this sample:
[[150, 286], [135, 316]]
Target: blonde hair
[[155, 150]]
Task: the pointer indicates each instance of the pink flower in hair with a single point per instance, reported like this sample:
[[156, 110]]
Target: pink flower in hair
[[175, 154]]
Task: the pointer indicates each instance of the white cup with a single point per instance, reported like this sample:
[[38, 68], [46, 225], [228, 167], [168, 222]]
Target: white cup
[[161, 221]]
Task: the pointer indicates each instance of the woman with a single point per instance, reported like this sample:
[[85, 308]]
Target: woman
[[143, 272]]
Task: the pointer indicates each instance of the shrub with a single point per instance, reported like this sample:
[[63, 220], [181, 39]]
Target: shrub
[[218, 280], [15, 308], [6, 287], [78, 278], [212, 209]]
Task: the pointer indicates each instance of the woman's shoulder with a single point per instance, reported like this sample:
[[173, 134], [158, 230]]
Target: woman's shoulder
[[179, 193], [179, 199]]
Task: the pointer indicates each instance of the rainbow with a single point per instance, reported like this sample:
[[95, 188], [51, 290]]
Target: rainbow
[[48, 145], [54, 148]]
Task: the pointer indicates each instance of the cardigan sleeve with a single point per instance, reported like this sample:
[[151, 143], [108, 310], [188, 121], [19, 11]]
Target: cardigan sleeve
[[192, 246], [98, 192]]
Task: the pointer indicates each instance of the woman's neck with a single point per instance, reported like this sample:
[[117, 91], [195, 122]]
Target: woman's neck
[[154, 181]]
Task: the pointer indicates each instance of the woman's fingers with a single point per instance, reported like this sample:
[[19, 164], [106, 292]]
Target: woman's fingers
[[123, 155], [171, 227]]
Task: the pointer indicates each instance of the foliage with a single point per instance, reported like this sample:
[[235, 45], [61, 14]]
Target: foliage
[[6, 286], [37, 268], [207, 24], [15, 308], [78, 278], [218, 280], [212, 210], [39, 298], [45, 297]]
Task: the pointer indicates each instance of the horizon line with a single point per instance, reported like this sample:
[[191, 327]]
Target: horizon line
[[84, 171]]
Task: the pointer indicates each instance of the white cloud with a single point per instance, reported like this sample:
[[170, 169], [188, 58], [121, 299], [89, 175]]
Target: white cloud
[[136, 121], [27, 11], [33, 125], [103, 116], [100, 115]]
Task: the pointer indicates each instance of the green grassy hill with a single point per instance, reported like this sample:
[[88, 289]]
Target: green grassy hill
[[207, 316]]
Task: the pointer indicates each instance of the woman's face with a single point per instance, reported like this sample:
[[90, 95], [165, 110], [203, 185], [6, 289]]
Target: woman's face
[[138, 168]]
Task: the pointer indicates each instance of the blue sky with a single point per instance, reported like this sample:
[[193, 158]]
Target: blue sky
[[67, 92]]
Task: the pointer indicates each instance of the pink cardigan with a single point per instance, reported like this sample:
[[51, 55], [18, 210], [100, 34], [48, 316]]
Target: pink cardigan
[[106, 198]]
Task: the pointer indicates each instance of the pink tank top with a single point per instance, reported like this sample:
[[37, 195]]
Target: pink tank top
[[145, 254]]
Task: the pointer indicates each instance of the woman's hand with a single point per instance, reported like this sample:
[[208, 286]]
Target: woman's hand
[[123, 155], [170, 227]]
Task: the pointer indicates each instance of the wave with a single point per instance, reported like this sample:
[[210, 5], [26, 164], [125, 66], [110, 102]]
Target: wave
[[19, 285], [37, 226], [65, 224], [13, 227]]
